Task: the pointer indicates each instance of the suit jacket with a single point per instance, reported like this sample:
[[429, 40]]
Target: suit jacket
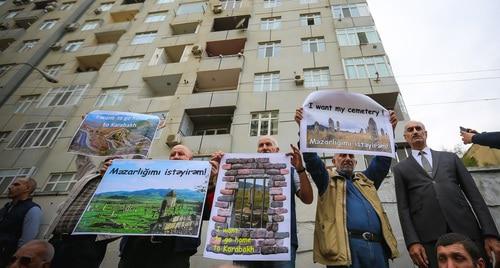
[[430, 204]]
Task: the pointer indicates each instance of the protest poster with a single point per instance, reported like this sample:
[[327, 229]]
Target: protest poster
[[342, 122], [148, 197], [250, 217], [106, 133]]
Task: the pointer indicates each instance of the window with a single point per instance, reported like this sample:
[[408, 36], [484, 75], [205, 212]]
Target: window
[[164, 1], [27, 45], [266, 81], [162, 124], [25, 102], [270, 23], [110, 96], [310, 19], [358, 35], [156, 16], [308, 2], [48, 24], [264, 123], [36, 135], [2, 2], [106, 6], [348, 11], [317, 77], [367, 67], [12, 13], [314, 44], [231, 4], [90, 25], [73, 46], [5, 68], [269, 49], [62, 96], [129, 63], [190, 8], [7, 176], [53, 69], [66, 5], [144, 38], [4, 135], [272, 3], [60, 182]]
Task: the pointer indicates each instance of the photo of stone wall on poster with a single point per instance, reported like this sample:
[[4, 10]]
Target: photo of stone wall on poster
[[342, 122], [250, 217]]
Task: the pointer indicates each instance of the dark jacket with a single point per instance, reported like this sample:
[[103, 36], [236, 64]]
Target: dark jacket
[[430, 204], [12, 218], [491, 139]]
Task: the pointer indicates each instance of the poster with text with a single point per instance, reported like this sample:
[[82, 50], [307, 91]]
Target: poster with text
[[148, 197], [106, 133], [341, 122], [250, 217]]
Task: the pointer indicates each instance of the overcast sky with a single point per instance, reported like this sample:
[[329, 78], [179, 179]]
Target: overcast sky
[[452, 40]]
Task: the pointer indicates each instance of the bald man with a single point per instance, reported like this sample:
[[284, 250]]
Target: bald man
[[19, 219], [168, 251], [437, 195], [34, 254]]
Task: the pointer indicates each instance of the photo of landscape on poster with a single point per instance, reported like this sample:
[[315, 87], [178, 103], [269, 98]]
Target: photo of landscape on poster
[[106, 133], [250, 216], [342, 122], [148, 197]]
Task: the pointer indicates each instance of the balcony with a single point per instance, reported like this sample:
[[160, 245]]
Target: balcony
[[225, 47], [231, 23], [162, 85], [26, 18], [172, 54], [123, 13], [91, 63], [185, 28], [208, 144], [220, 80], [388, 100], [111, 33], [207, 121], [12, 34]]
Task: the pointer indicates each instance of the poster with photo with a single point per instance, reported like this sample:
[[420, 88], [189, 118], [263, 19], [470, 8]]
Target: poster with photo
[[250, 217], [148, 197], [107, 133], [342, 122]]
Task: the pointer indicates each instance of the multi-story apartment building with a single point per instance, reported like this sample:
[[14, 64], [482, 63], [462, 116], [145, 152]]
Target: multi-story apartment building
[[220, 73]]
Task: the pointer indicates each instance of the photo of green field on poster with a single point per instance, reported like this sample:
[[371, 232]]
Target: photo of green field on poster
[[138, 197]]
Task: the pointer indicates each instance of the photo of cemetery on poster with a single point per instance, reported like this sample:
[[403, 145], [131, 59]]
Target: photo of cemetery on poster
[[148, 197], [106, 133], [341, 122], [250, 217]]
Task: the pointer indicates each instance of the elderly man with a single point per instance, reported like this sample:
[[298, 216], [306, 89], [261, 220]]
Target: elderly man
[[170, 251], [19, 219], [458, 251], [437, 195], [34, 254], [352, 229], [74, 251], [301, 187]]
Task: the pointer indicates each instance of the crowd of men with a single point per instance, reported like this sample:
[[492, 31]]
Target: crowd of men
[[444, 218]]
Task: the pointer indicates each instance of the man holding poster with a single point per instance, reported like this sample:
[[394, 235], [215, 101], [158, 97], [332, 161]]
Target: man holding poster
[[352, 230], [300, 187]]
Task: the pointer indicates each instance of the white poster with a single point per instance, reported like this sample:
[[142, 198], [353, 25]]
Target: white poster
[[250, 217], [342, 122]]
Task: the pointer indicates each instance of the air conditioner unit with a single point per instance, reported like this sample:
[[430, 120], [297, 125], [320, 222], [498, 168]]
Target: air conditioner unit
[[97, 11], [299, 81], [217, 9], [72, 27], [49, 8], [56, 46], [196, 51], [174, 139]]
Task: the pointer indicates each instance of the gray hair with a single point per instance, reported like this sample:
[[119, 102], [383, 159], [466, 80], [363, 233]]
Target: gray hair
[[273, 139]]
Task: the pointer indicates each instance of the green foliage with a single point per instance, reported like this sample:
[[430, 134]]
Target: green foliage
[[469, 161]]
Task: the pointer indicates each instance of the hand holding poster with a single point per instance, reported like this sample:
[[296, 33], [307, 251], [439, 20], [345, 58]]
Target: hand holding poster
[[341, 122], [106, 133], [153, 197], [250, 217]]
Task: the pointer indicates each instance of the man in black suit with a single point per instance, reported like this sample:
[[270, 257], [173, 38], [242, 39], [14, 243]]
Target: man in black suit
[[437, 195]]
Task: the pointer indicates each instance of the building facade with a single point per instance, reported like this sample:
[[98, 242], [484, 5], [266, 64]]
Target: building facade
[[219, 73]]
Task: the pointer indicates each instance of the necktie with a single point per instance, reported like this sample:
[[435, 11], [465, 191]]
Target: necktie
[[425, 163]]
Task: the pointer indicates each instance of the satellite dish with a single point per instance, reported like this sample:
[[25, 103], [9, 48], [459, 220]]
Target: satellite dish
[[240, 23]]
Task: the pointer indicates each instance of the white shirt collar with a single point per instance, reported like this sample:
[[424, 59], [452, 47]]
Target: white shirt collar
[[418, 158]]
